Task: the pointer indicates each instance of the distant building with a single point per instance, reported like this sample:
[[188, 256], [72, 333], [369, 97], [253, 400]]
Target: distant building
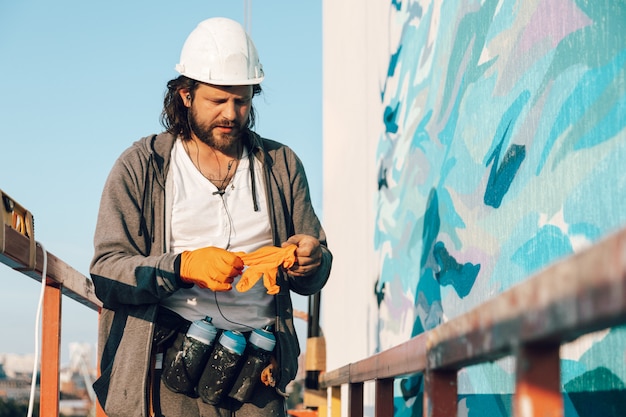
[[17, 389], [75, 408], [15, 376], [15, 365], [77, 396]]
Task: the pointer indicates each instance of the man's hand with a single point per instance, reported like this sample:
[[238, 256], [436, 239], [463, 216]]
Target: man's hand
[[308, 255], [210, 267], [264, 262]]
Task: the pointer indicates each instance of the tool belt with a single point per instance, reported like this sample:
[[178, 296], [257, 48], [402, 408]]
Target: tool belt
[[190, 367], [168, 325]]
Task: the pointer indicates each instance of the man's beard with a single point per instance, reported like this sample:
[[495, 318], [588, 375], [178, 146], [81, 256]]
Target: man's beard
[[222, 142]]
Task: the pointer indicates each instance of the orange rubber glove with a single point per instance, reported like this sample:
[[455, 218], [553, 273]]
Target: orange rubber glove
[[264, 262], [210, 267], [267, 374]]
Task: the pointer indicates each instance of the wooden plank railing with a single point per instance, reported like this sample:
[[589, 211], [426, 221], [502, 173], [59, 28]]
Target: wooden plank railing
[[575, 296], [61, 280]]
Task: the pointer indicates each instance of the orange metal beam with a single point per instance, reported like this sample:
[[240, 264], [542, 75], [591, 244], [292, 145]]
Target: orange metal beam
[[538, 386], [383, 407], [302, 413], [99, 410], [440, 393], [355, 399], [51, 352]]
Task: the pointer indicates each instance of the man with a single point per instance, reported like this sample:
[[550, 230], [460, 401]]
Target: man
[[179, 212]]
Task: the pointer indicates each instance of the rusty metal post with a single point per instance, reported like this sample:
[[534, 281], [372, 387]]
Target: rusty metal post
[[384, 397], [51, 352], [355, 399], [538, 382], [99, 410], [440, 393]]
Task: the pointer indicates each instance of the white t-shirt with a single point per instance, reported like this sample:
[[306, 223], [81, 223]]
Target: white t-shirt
[[201, 218]]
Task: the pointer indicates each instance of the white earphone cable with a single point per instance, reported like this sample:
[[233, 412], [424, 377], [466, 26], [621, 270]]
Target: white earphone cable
[[44, 274]]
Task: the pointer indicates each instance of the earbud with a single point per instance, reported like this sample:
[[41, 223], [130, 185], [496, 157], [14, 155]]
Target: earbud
[[188, 96]]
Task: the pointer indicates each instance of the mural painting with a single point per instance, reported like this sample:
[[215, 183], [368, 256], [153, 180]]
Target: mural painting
[[503, 151]]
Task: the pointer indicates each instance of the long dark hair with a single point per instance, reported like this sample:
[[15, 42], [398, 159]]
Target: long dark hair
[[174, 114]]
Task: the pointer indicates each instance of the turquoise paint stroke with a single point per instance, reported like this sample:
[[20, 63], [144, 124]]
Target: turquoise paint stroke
[[421, 134], [382, 177], [502, 174], [432, 223], [460, 277], [508, 119], [592, 113], [470, 38], [546, 246], [391, 70], [389, 118], [428, 291], [601, 383], [591, 46]]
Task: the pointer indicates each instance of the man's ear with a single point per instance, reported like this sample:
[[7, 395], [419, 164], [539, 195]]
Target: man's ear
[[185, 96]]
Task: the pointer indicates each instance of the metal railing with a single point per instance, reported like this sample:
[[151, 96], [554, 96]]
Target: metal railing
[[578, 295], [20, 252]]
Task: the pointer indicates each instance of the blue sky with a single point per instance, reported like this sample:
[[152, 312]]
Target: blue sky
[[82, 80]]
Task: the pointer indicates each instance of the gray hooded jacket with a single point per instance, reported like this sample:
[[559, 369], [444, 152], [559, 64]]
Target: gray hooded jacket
[[132, 271]]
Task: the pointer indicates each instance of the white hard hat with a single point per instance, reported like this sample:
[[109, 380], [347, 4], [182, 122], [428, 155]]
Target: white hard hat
[[220, 52]]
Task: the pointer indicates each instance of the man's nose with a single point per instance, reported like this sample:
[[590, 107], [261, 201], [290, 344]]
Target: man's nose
[[230, 110]]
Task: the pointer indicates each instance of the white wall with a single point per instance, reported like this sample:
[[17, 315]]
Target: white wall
[[354, 54]]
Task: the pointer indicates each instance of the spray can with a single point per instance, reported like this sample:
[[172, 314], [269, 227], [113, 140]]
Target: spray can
[[257, 356], [182, 372], [222, 367]]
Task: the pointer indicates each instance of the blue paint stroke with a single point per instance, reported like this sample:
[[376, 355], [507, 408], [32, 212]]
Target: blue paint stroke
[[470, 39], [502, 175], [478, 404], [607, 388], [451, 219], [461, 277], [590, 231], [421, 134], [591, 46], [507, 120], [393, 63], [428, 291], [593, 112], [415, 10], [544, 248], [379, 293], [389, 118], [432, 223], [382, 177]]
